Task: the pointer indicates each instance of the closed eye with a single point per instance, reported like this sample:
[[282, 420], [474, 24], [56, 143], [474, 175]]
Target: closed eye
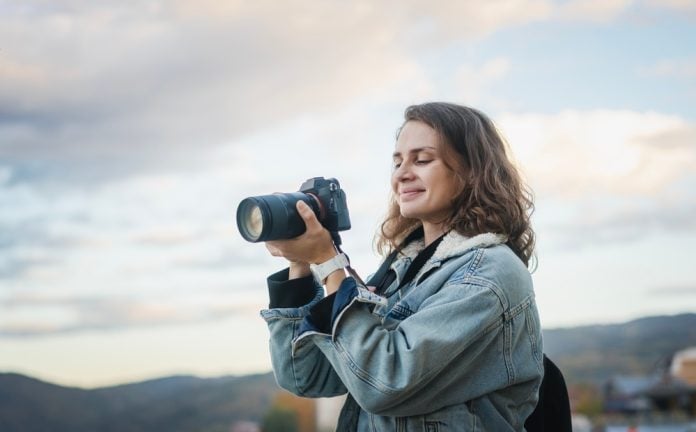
[[423, 161]]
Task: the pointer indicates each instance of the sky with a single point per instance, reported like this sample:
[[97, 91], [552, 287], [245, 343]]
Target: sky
[[131, 130]]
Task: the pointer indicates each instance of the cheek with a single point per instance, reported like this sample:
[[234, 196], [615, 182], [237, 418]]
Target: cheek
[[447, 186], [394, 183]]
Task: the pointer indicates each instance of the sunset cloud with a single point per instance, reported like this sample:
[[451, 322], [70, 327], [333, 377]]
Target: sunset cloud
[[122, 89], [603, 152]]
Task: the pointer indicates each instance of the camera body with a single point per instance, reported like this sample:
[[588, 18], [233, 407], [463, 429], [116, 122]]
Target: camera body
[[333, 206], [275, 217]]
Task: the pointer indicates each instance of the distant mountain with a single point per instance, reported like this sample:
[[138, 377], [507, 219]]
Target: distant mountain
[[596, 352], [174, 404]]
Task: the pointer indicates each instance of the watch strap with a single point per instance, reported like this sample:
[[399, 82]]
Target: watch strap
[[323, 270]]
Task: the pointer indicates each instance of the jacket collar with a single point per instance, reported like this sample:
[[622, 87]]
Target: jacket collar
[[454, 244]]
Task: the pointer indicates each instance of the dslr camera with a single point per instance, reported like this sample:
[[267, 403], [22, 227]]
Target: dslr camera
[[275, 217]]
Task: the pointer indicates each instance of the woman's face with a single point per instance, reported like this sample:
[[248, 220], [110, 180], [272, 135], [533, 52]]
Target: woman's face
[[423, 185]]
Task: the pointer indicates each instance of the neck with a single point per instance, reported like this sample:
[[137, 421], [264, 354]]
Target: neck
[[432, 232]]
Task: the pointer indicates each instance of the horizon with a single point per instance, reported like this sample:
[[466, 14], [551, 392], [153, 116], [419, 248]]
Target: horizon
[[95, 386], [129, 133]]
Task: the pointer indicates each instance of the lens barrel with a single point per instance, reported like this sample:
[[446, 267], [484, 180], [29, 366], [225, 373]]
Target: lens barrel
[[273, 217]]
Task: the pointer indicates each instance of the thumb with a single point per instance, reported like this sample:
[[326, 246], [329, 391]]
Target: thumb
[[307, 214]]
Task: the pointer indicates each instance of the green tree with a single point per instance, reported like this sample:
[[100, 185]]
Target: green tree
[[279, 419]]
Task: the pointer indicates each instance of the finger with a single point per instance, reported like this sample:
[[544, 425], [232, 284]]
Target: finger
[[307, 214]]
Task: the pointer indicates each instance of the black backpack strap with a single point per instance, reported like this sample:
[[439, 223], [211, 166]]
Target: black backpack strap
[[552, 413]]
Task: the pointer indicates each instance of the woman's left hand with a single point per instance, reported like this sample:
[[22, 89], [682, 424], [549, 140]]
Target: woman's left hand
[[314, 246]]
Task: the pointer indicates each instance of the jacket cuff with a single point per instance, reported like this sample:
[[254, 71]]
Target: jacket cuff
[[324, 314], [319, 318], [294, 293]]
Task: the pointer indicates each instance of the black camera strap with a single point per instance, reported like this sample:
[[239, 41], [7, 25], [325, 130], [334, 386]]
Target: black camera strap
[[419, 261], [385, 276]]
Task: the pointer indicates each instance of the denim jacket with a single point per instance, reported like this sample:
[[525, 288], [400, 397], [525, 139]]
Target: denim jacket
[[457, 349]]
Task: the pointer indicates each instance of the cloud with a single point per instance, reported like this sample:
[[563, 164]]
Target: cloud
[[608, 222], [673, 290], [606, 176], [672, 68], [593, 10], [119, 88], [470, 19], [474, 82], [15, 267], [79, 314], [128, 133], [576, 154], [682, 6], [41, 228], [105, 89], [29, 243], [142, 233], [165, 237]]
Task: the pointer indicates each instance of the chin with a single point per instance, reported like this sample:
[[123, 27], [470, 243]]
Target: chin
[[409, 214]]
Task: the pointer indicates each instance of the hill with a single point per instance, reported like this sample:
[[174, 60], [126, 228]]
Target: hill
[[168, 404], [594, 353]]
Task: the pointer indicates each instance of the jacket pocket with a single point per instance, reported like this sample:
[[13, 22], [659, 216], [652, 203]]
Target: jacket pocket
[[453, 418]]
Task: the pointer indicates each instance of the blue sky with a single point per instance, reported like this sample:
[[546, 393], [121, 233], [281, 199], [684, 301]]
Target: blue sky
[[130, 131]]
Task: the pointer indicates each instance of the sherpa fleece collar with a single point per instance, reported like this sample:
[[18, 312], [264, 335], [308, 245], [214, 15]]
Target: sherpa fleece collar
[[454, 244]]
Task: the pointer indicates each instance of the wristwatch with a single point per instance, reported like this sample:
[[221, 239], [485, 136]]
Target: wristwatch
[[323, 270]]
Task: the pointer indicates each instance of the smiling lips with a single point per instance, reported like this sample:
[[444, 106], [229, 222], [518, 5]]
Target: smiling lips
[[409, 194]]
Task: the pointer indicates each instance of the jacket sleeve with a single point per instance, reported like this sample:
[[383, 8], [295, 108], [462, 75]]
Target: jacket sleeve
[[453, 339], [306, 372]]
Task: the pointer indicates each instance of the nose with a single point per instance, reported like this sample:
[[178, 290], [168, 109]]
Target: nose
[[403, 173]]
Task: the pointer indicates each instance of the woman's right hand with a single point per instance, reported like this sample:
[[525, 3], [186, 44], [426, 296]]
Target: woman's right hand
[[313, 246], [298, 269]]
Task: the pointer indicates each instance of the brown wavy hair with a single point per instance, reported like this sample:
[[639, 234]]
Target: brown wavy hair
[[492, 196]]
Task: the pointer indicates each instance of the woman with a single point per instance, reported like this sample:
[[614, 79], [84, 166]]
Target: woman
[[454, 344]]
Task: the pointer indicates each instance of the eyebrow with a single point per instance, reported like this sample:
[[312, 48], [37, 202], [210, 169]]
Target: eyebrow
[[415, 150]]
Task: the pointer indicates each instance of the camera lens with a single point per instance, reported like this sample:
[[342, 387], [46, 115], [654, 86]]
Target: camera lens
[[250, 220], [255, 222], [272, 217]]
